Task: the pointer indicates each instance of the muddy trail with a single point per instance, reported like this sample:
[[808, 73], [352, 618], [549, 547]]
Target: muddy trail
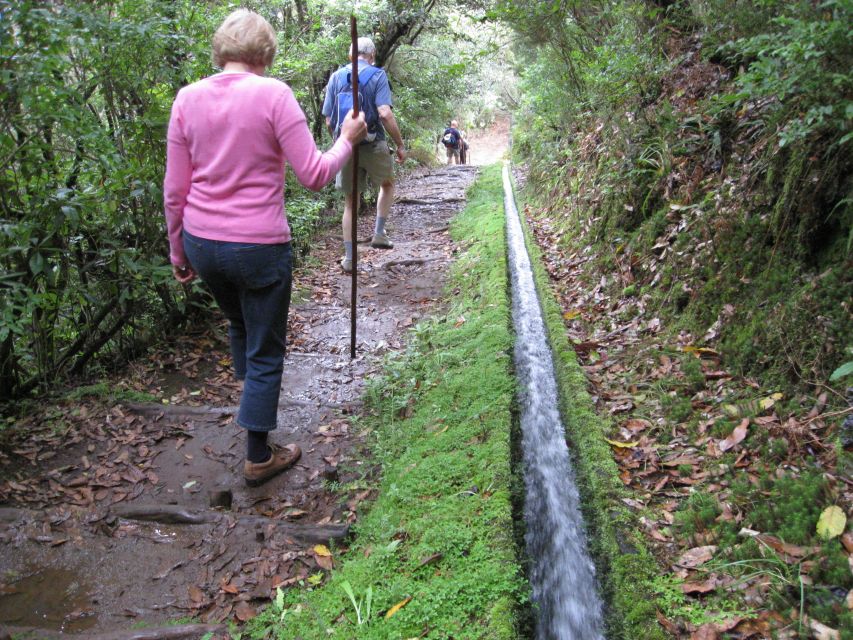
[[132, 514]]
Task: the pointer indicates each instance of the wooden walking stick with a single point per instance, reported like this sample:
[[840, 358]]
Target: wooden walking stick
[[354, 211]]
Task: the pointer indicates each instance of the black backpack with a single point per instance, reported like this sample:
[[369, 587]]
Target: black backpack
[[344, 102], [450, 138]]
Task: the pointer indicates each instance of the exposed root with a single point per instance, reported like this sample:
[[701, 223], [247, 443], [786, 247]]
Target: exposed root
[[175, 632], [177, 514], [421, 201], [406, 263]]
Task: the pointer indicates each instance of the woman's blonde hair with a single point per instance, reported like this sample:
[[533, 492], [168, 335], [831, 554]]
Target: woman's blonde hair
[[246, 37]]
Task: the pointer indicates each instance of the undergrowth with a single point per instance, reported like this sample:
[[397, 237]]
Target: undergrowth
[[712, 214]]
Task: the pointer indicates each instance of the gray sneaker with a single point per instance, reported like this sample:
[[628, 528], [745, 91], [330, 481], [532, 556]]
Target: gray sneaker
[[381, 241], [346, 264]]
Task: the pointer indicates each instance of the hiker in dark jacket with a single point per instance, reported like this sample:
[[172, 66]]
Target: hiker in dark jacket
[[374, 157], [452, 141]]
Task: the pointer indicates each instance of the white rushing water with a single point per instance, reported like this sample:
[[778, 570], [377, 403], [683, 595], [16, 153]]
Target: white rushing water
[[561, 572]]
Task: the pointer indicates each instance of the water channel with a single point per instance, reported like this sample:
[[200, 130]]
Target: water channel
[[562, 575]]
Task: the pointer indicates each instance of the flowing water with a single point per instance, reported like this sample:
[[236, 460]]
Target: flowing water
[[561, 572]]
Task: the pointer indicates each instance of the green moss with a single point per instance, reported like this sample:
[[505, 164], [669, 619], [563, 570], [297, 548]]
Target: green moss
[[696, 514], [788, 507], [693, 374], [105, 391], [677, 407], [721, 428]]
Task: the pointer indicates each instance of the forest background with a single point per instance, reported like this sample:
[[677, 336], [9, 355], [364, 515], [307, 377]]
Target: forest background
[[688, 160], [87, 89]]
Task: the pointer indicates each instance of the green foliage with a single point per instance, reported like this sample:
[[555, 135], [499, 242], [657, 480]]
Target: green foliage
[[696, 514], [843, 371], [788, 508], [86, 99], [361, 605], [675, 604], [620, 140], [797, 64], [724, 21], [678, 408]]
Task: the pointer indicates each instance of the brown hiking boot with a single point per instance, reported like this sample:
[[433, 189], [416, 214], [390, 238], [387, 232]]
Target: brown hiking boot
[[282, 458]]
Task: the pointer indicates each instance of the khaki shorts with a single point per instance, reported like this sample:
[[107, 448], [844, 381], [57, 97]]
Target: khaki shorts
[[452, 152], [374, 161]]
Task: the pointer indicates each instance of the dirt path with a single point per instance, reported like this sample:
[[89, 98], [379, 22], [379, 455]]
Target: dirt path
[[136, 512], [489, 146]]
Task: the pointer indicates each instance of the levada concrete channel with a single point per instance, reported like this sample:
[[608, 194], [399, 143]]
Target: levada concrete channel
[[562, 575]]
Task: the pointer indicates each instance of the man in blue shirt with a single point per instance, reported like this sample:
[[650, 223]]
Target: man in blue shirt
[[374, 156]]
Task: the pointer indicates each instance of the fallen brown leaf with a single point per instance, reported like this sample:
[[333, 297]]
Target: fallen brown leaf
[[430, 559], [707, 631], [196, 594], [667, 624], [791, 553], [700, 587], [735, 437], [696, 556], [244, 612], [820, 631], [637, 424]]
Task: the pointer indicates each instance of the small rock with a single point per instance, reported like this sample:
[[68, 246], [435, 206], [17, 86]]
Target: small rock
[[845, 434], [330, 474], [221, 498]]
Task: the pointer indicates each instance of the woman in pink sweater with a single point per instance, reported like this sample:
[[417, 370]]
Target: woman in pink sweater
[[229, 138]]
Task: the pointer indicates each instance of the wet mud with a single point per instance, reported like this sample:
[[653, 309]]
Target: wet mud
[[135, 514]]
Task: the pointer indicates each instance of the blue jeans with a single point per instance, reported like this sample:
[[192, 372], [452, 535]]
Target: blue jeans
[[251, 284]]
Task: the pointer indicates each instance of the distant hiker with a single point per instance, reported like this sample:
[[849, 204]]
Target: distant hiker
[[452, 141], [374, 156], [229, 137]]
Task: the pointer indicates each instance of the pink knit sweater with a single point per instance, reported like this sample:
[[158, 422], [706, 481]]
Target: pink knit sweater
[[229, 137]]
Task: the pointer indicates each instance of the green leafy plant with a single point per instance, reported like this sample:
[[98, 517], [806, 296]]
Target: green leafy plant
[[795, 64], [844, 370], [361, 605]]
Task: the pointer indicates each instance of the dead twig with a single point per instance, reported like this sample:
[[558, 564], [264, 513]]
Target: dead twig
[[830, 414]]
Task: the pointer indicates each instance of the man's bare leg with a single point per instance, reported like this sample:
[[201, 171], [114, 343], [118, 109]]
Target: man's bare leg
[[383, 210], [347, 229], [386, 199]]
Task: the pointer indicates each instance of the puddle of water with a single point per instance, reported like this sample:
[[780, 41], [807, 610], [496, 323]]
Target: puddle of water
[[48, 599], [562, 576]]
